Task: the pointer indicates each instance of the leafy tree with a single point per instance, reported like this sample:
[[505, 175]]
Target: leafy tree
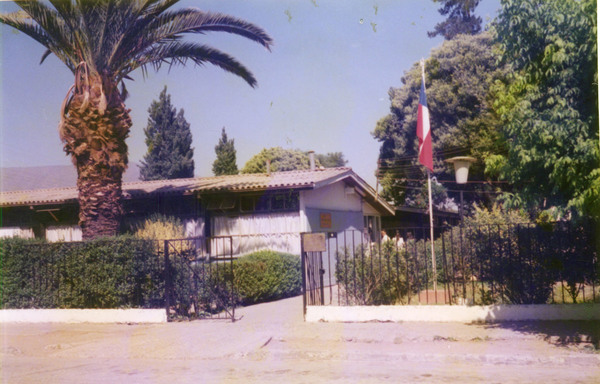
[[459, 76], [102, 42], [281, 160], [225, 163], [332, 160], [460, 19], [549, 108], [169, 140], [291, 160]]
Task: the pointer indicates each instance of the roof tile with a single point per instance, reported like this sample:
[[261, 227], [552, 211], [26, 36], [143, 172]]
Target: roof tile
[[233, 183]]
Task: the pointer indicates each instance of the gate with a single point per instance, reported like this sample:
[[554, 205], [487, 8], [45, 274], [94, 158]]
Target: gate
[[313, 246], [199, 278]]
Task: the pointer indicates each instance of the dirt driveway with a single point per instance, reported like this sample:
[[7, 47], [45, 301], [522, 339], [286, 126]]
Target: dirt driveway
[[271, 344]]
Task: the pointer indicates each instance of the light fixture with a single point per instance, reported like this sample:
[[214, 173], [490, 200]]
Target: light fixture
[[461, 167]]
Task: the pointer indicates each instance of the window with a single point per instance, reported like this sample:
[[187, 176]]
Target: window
[[267, 202], [222, 203]]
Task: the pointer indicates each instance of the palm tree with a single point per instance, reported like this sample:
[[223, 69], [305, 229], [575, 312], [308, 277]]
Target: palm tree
[[101, 42]]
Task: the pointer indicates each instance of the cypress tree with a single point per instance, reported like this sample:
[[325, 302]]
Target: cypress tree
[[225, 163], [460, 19], [169, 140]]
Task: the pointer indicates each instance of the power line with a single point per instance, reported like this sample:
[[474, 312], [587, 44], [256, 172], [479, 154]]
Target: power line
[[453, 190]]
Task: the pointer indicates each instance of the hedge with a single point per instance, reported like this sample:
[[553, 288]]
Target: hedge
[[105, 273], [266, 276], [128, 272]]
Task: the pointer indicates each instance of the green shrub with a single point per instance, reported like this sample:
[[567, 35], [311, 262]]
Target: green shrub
[[373, 275], [266, 276], [104, 273], [160, 227]]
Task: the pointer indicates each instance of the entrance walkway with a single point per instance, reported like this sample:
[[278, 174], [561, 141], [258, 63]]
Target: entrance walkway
[[271, 343]]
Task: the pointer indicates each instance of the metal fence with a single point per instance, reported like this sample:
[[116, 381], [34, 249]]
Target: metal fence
[[199, 278], [489, 264], [102, 274], [190, 278]]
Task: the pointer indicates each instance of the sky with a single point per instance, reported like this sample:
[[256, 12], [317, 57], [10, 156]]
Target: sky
[[323, 86]]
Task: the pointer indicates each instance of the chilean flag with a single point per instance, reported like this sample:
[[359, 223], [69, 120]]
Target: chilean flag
[[424, 129]]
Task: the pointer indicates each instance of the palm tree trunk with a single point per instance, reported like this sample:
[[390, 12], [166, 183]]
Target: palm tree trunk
[[93, 131]]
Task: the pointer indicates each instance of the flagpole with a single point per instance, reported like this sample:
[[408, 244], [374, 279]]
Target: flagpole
[[433, 264]]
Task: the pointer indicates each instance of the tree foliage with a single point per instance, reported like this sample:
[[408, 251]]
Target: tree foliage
[[169, 140], [460, 19], [225, 163], [331, 160], [281, 160], [458, 78], [549, 108], [290, 160]]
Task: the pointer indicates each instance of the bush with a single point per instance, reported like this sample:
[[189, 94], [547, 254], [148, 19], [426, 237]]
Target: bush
[[104, 273], [373, 275], [266, 276]]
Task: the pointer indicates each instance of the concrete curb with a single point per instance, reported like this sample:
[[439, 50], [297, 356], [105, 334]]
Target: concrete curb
[[134, 315], [454, 313]]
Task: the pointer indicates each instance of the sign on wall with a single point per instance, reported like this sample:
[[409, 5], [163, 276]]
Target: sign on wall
[[325, 219], [313, 242]]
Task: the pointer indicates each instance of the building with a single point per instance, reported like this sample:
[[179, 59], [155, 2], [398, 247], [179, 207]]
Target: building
[[257, 210]]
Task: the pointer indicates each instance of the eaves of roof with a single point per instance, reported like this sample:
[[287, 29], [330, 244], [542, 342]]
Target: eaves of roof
[[234, 183]]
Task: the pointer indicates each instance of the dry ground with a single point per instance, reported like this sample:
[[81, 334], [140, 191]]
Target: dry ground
[[271, 344]]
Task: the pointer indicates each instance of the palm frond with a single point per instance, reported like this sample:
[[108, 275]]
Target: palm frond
[[192, 20], [45, 55], [25, 24], [123, 20], [178, 53], [171, 26], [115, 37], [52, 25]]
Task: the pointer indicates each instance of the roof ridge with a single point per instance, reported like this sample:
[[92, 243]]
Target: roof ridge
[[38, 190]]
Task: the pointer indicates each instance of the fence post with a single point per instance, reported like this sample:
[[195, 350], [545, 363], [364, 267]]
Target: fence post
[[168, 279], [303, 267]]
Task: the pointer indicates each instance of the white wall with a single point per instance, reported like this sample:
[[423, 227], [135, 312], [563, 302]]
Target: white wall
[[275, 231], [63, 233], [339, 200], [194, 227], [25, 233], [453, 313], [332, 197]]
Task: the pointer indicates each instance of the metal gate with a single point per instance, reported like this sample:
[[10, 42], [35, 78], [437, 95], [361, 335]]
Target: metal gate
[[313, 286], [199, 280]]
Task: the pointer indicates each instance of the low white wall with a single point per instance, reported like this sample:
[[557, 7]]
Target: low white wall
[[83, 316], [454, 313]]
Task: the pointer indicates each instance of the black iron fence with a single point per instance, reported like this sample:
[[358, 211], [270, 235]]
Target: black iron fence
[[107, 273], [199, 282], [490, 264], [181, 276], [519, 264]]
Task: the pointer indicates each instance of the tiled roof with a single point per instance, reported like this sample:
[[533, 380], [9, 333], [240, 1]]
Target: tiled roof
[[233, 183]]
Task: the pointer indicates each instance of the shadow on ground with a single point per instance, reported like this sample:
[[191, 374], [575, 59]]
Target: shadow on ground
[[560, 333]]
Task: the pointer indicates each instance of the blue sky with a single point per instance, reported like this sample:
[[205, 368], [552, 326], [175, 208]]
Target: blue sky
[[323, 86]]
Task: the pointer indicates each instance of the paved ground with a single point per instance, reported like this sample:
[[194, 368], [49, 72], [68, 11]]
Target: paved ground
[[271, 344]]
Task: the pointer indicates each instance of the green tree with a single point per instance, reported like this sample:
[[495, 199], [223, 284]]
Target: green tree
[[225, 163], [549, 108], [281, 160], [102, 42], [458, 76], [460, 19], [332, 160], [169, 140]]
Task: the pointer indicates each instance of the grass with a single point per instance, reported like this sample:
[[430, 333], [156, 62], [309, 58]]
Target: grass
[[478, 293], [587, 294]]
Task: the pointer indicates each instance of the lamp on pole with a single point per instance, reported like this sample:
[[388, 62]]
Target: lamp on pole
[[461, 170]]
